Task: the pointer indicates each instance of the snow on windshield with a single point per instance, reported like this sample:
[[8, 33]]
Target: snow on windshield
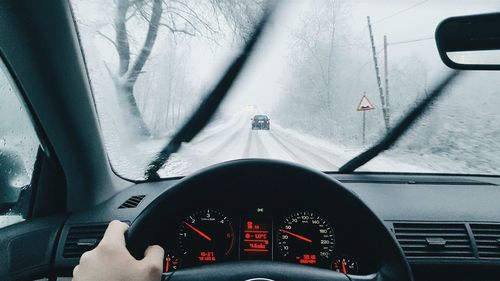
[[151, 62]]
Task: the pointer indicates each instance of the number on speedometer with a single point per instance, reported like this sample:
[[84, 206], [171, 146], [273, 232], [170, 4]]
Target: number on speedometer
[[306, 238]]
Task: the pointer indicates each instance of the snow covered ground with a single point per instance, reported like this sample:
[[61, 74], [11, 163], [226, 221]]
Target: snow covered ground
[[229, 138], [6, 220]]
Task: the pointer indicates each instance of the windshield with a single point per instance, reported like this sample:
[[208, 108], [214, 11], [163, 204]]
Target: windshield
[[328, 78]]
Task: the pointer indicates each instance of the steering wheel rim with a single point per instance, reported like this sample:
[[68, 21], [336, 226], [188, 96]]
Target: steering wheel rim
[[393, 267]]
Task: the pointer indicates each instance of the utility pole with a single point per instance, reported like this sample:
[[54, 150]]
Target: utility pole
[[379, 82], [386, 76]]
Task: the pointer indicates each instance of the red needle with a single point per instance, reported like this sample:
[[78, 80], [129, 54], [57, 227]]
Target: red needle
[[198, 231], [344, 270], [297, 236], [167, 266]]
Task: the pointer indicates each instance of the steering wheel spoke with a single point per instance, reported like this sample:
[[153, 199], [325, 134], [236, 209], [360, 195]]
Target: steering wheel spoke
[[255, 271], [166, 276], [331, 276], [368, 277]]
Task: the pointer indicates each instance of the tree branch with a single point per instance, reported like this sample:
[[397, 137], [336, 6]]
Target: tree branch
[[189, 12], [143, 55], [121, 42], [107, 38], [176, 30]]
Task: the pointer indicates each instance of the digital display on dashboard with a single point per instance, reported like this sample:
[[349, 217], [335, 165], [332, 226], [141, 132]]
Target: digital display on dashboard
[[210, 236], [256, 238]]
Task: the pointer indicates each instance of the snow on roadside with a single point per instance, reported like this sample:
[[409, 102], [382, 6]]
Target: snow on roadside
[[6, 220], [203, 150], [199, 154], [381, 163], [225, 138]]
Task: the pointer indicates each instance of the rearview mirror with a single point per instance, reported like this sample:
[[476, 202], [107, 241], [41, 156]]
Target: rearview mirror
[[470, 42]]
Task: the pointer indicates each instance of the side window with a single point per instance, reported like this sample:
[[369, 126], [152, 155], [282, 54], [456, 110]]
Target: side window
[[18, 148]]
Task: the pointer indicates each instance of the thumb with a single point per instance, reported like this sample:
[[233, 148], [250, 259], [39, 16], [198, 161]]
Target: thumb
[[153, 256]]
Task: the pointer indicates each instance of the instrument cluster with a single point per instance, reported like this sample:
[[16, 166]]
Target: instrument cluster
[[209, 236]]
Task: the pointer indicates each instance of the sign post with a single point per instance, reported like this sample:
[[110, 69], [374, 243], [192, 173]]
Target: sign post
[[363, 106], [364, 126]]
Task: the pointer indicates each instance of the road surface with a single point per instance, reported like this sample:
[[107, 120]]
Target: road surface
[[229, 138]]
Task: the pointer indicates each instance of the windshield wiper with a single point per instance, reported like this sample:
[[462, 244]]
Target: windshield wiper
[[401, 127], [200, 118]]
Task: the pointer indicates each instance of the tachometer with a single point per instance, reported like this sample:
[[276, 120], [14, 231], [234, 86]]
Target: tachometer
[[306, 238], [206, 237]]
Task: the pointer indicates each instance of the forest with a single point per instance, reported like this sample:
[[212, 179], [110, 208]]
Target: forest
[[151, 63]]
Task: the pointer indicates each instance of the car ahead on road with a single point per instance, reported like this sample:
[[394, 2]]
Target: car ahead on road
[[261, 122], [97, 120]]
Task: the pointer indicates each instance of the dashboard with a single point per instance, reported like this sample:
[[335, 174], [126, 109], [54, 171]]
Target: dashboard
[[308, 237], [226, 211], [244, 219], [255, 214]]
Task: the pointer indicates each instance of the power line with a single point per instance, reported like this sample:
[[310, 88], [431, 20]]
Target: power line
[[400, 12], [406, 42], [410, 41], [356, 72], [393, 15]]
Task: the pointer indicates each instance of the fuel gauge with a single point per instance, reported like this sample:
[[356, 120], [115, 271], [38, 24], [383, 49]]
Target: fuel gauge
[[345, 264], [172, 262]]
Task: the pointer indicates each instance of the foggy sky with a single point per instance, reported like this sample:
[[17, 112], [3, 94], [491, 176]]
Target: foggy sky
[[262, 82]]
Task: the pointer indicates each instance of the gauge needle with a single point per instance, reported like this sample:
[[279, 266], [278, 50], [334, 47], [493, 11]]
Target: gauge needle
[[297, 236], [167, 266], [198, 231], [344, 269]]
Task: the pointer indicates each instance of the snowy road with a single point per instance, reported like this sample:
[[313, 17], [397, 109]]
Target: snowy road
[[232, 138]]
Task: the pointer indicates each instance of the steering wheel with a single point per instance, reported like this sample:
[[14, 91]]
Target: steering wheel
[[271, 176]]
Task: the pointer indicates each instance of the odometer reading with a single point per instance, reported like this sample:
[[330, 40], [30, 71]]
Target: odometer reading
[[306, 238]]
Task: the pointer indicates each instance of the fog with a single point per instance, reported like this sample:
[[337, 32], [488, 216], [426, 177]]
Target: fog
[[308, 74]]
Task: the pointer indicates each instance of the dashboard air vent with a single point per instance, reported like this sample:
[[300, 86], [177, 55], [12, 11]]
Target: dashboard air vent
[[132, 202], [434, 240], [82, 238], [487, 238]]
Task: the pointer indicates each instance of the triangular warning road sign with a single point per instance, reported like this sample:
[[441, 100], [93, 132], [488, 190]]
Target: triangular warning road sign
[[365, 104]]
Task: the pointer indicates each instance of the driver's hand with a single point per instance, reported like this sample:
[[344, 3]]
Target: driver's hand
[[111, 261]]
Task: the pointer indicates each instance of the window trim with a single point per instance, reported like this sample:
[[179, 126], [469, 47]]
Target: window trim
[[45, 148]]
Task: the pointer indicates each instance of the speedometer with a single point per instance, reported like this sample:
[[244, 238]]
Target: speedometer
[[306, 238]]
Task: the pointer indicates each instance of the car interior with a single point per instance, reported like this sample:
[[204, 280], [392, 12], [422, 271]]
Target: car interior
[[244, 219]]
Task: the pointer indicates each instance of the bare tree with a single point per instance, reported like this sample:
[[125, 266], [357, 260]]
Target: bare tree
[[316, 41], [188, 18]]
